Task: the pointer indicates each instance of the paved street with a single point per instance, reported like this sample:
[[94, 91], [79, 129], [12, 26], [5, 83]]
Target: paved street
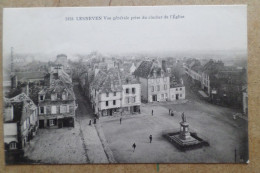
[[109, 141], [70, 145], [213, 123]]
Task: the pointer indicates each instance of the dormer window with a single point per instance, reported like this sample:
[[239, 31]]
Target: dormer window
[[64, 95], [54, 96], [154, 73], [41, 97]]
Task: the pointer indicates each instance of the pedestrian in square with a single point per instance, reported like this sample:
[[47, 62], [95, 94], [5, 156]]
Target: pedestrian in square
[[120, 120], [95, 120], [134, 147], [151, 138], [89, 122], [172, 113], [152, 112]]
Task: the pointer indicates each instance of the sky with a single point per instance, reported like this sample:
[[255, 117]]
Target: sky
[[203, 28]]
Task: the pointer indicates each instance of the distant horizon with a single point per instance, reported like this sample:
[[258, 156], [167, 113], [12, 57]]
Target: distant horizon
[[159, 54]]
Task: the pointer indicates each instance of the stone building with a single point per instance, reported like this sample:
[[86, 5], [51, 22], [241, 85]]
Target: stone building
[[155, 82], [20, 123], [113, 93], [57, 102], [131, 94]]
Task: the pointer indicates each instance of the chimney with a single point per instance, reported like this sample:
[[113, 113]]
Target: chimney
[[164, 66]]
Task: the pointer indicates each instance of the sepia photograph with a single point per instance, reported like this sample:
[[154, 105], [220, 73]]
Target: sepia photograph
[[108, 85]]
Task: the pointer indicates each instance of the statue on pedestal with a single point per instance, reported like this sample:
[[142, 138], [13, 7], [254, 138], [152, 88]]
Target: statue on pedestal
[[183, 117]]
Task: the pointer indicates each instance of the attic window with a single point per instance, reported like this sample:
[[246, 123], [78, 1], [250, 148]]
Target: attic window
[[41, 97], [64, 96], [54, 96]]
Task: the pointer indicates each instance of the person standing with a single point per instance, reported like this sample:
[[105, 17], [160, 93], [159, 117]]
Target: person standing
[[151, 138], [152, 112], [89, 122], [134, 146], [120, 120]]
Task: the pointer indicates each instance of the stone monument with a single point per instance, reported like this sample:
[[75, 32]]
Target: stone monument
[[184, 139]]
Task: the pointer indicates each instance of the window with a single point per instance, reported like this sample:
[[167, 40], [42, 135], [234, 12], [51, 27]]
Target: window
[[165, 87], [12, 146], [106, 103], [166, 95], [54, 96], [133, 99], [180, 89], [114, 102], [41, 110], [114, 93], [127, 90], [53, 109], [158, 87], [107, 94], [133, 90], [64, 96], [41, 97], [152, 88], [51, 122], [63, 109], [127, 100], [176, 89]]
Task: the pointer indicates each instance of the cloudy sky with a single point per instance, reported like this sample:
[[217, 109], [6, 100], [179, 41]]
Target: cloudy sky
[[45, 30]]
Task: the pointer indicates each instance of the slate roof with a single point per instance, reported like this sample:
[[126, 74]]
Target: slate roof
[[128, 79], [127, 67], [108, 82], [147, 68], [58, 87], [23, 107]]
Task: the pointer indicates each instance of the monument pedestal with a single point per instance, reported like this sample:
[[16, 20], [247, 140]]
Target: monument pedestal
[[184, 131], [185, 140]]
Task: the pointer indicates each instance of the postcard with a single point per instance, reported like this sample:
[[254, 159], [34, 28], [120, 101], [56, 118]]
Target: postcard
[[155, 84]]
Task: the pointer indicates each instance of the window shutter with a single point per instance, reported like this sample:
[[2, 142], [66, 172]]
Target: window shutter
[[68, 109]]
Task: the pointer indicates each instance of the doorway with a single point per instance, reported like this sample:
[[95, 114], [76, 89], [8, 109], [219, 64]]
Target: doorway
[[41, 124], [177, 96], [154, 98]]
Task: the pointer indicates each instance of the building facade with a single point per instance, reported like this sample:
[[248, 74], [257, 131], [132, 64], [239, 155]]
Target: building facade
[[155, 82], [114, 93], [56, 101], [20, 123]]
